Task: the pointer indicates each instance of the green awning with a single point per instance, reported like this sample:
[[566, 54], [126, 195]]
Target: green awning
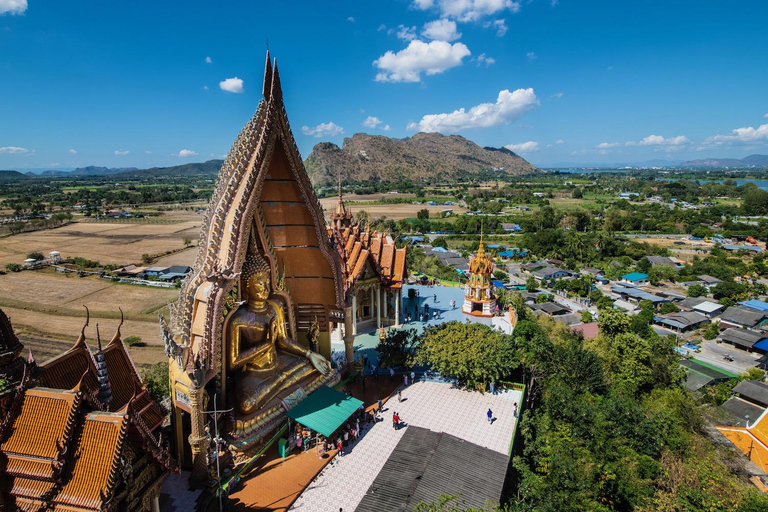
[[324, 410]]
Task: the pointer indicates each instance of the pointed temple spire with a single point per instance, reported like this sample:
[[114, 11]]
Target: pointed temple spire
[[267, 78], [481, 249]]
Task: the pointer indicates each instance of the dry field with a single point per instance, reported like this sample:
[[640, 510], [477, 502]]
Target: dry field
[[47, 307], [108, 242], [391, 211]]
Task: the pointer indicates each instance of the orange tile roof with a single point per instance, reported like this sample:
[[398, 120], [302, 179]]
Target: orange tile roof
[[41, 432], [93, 467], [752, 440], [65, 370]]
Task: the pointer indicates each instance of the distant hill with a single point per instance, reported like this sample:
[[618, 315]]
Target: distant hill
[[93, 170], [425, 155], [211, 167], [12, 176], [750, 161]]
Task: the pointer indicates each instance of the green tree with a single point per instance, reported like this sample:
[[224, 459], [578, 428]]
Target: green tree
[[156, 380], [36, 255], [531, 284], [586, 316], [472, 353], [186, 241], [398, 348], [423, 214], [697, 290], [668, 307], [13, 267]]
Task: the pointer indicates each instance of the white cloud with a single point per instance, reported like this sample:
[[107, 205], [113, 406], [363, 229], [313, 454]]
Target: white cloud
[[386, 128], [499, 25], [607, 145], [658, 140], [557, 95], [147, 152], [351, 19], [560, 141], [524, 147], [184, 153], [509, 107], [382, 27], [406, 33], [531, 56], [467, 10], [482, 59], [205, 87], [743, 135], [13, 7], [766, 116], [441, 30], [554, 3], [431, 58], [372, 122], [15, 150], [323, 130], [231, 85], [121, 152], [72, 151], [208, 60]]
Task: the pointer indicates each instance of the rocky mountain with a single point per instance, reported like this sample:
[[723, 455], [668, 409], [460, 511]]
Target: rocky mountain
[[425, 155], [750, 161]]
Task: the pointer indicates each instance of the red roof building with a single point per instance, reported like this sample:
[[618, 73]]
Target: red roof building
[[83, 435]]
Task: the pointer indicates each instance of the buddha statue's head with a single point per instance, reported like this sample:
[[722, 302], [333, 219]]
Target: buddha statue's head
[[255, 278]]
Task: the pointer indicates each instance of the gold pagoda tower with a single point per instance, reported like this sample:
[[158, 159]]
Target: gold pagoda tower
[[479, 292]]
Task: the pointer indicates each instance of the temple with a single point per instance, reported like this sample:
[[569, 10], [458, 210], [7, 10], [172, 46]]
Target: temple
[[82, 434], [479, 297], [374, 271], [265, 273], [752, 440]]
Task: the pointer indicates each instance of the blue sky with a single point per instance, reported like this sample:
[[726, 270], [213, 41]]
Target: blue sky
[[561, 82]]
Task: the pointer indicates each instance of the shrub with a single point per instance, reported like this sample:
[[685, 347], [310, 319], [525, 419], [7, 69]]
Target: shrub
[[134, 341], [13, 267], [36, 255]]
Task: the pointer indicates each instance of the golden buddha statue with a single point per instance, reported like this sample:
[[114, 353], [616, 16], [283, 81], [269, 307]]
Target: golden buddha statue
[[264, 360]]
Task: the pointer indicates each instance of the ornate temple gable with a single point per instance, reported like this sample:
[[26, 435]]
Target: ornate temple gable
[[262, 189]]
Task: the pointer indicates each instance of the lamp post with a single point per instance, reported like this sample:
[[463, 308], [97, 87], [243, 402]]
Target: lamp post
[[218, 442]]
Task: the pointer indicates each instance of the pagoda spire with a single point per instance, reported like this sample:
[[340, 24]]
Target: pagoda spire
[[105, 390], [481, 249]]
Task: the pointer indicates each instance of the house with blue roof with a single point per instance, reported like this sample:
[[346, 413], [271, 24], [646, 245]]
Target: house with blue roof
[[636, 278]]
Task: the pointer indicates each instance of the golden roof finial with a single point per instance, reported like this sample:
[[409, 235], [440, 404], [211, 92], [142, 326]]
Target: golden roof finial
[[481, 249]]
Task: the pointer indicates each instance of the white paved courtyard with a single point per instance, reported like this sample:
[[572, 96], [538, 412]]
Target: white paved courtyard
[[433, 405]]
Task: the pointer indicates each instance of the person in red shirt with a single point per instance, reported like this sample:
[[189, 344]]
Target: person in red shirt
[[395, 421]]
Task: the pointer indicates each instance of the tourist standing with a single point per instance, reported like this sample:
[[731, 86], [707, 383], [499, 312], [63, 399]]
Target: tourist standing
[[490, 416], [399, 396], [413, 377], [435, 297], [380, 405], [405, 379], [514, 411], [493, 387], [395, 420]]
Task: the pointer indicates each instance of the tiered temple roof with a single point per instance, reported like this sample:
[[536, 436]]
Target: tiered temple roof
[[358, 245], [61, 448]]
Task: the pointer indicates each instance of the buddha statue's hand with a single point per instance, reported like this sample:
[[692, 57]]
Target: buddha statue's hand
[[320, 363]]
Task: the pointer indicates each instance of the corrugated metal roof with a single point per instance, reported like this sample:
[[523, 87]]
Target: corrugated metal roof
[[426, 464]]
